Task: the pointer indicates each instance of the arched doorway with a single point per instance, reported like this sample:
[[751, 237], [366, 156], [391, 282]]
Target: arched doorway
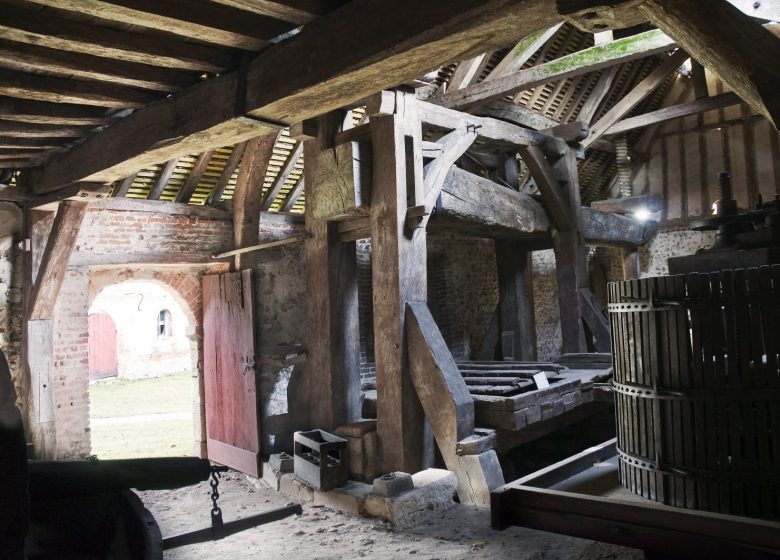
[[146, 409]]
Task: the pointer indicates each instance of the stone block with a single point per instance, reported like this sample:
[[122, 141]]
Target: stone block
[[363, 449], [392, 484], [346, 499], [281, 462], [533, 414], [432, 493], [296, 488]]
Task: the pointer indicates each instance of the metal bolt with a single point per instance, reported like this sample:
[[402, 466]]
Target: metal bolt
[[756, 5], [390, 476]]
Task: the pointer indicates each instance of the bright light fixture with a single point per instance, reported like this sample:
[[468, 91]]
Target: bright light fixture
[[643, 214]]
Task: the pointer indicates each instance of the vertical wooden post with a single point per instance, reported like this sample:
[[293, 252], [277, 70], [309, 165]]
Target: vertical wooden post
[[631, 268], [516, 301], [399, 276], [331, 281], [571, 261]]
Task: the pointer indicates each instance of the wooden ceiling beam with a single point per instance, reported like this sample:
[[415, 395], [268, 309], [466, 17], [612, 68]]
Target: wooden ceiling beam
[[62, 90], [635, 96], [384, 44], [726, 41], [675, 112], [188, 188], [293, 11], [27, 110], [96, 68], [576, 64], [270, 195], [522, 52], [230, 167], [30, 130], [35, 26], [32, 143], [293, 196], [206, 21], [165, 175]]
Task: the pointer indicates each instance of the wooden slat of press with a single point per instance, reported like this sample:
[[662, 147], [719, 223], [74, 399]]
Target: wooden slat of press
[[684, 360], [675, 428], [710, 315], [693, 285], [773, 346], [650, 329], [644, 405], [717, 418], [741, 344], [751, 410], [621, 377], [631, 419], [639, 435], [730, 490], [646, 352]]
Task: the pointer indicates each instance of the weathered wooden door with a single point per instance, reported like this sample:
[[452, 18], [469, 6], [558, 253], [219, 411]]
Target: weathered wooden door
[[231, 403], [101, 346]]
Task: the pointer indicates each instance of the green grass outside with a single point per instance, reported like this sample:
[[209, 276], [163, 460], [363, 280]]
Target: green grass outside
[[116, 398]]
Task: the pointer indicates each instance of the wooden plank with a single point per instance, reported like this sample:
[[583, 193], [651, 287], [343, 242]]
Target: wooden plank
[[246, 197], [576, 64], [467, 71], [522, 52], [516, 301], [608, 229], [54, 261], [36, 143], [674, 112], [30, 25], [270, 195], [549, 187], [728, 42], [448, 406], [594, 317], [26, 110], [61, 90], [516, 114], [196, 174], [208, 22], [97, 68], [162, 180], [409, 38], [331, 278], [399, 277], [477, 206], [11, 129], [600, 91], [635, 96], [294, 11]]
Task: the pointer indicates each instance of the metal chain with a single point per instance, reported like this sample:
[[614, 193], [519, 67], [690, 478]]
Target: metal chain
[[216, 512]]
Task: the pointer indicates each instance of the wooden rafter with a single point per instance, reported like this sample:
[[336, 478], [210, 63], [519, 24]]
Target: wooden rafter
[[293, 196], [193, 179], [522, 52], [635, 96], [576, 64], [28, 25], [409, 38], [298, 11], [123, 188], [165, 175], [25, 110], [273, 191], [207, 21], [33, 130], [230, 167], [728, 42]]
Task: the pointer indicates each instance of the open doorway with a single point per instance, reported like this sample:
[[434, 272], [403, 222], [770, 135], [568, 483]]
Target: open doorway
[[143, 372]]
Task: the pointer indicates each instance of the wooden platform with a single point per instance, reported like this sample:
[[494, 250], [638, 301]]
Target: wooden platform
[[582, 496], [507, 401]]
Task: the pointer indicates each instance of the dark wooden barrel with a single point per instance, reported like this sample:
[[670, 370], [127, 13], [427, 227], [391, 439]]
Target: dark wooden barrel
[[697, 389]]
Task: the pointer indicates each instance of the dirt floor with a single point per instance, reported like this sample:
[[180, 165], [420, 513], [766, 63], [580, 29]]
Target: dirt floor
[[322, 533], [141, 417]]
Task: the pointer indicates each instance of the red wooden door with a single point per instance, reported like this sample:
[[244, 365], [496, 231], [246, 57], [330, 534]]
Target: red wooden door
[[101, 346], [231, 402]]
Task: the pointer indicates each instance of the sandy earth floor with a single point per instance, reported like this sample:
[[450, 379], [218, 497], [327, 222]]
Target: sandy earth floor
[[322, 533]]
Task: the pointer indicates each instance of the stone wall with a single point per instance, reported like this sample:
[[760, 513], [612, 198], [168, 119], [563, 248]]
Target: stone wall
[[11, 277]]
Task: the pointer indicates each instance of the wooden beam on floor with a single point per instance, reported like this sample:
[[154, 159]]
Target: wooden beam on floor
[[448, 406], [270, 195], [30, 25], [409, 38], [246, 197], [674, 112], [196, 174], [54, 262], [331, 278], [206, 21], [96, 68], [635, 96], [728, 42], [576, 64], [62, 90]]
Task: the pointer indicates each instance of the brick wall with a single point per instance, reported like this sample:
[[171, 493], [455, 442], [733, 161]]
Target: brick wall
[[143, 243]]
